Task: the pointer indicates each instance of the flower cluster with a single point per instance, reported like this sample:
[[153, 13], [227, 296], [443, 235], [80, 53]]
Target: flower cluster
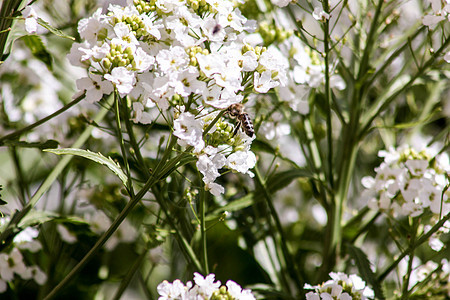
[[409, 182], [196, 57], [12, 263], [440, 12], [203, 288], [432, 280], [340, 287]]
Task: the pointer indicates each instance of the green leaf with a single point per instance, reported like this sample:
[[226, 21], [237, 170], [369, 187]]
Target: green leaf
[[35, 217], [261, 146], [234, 205], [280, 180], [54, 30], [50, 144], [97, 157], [365, 271], [37, 48]]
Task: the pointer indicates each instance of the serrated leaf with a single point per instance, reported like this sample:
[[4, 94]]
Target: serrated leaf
[[97, 157], [280, 180], [365, 271], [37, 48], [35, 217], [50, 144], [54, 30]]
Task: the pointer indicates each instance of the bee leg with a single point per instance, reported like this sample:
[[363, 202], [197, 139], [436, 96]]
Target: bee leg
[[238, 124]]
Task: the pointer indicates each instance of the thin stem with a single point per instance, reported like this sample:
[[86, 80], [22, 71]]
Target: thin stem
[[182, 242], [7, 11], [412, 240], [290, 263], [22, 184], [17, 217], [122, 143], [105, 236], [420, 241], [19, 132], [126, 281], [328, 97], [383, 103], [133, 141], [203, 229]]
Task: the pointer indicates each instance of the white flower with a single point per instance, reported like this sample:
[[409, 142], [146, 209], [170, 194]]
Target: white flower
[[189, 131], [206, 285], [95, 87], [281, 3], [336, 287], [263, 83], [123, 80], [211, 64], [89, 28], [175, 290], [214, 188], [26, 240], [203, 288], [241, 161], [173, 60], [237, 292], [209, 162], [320, 15], [30, 16]]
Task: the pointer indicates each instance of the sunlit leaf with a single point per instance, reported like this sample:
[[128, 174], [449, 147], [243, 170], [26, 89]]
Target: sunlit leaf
[[54, 30], [97, 157], [36, 217]]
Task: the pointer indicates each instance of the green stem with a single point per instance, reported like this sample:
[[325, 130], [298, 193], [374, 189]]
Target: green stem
[[387, 62], [18, 216], [412, 240], [122, 143], [133, 141], [19, 132], [105, 236], [22, 182], [6, 19], [381, 104], [126, 281], [203, 229], [419, 242], [182, 242], [290, 263], [326, 36]]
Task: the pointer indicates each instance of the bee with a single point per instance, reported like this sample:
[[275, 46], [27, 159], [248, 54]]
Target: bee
[[244, 121]]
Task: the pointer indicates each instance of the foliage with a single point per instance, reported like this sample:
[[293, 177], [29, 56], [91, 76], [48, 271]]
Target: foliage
[[269, 145]]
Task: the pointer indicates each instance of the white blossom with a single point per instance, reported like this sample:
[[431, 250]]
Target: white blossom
[[30, 16], [340, 286], [320, 15]]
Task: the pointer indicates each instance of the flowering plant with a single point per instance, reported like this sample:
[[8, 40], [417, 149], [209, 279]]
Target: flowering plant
[[268, 144]]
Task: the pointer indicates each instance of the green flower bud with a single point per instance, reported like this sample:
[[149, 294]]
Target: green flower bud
[[106, 63]]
